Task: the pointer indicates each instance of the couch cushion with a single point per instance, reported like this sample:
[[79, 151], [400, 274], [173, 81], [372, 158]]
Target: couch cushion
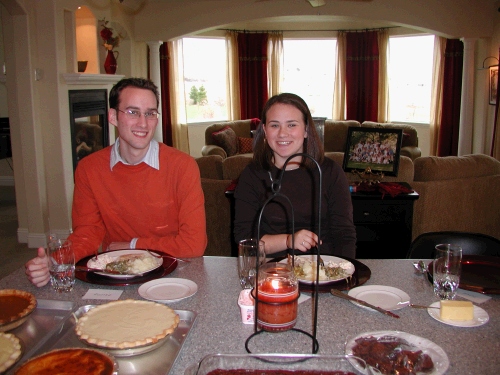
[[210, 166], [233, 166], [336, 134], [435, 168], [227, 139], [244, 145]]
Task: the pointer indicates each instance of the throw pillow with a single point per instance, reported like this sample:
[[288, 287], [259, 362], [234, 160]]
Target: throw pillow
[[245, 145], [227, 139]]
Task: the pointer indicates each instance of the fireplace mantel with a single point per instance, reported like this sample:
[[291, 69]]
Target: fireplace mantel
[[91, 79]]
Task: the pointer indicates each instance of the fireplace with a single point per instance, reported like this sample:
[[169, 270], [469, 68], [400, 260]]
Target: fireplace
[[89, 122]]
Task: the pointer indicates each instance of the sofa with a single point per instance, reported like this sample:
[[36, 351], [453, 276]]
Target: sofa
[[455, 193], [231, 143]]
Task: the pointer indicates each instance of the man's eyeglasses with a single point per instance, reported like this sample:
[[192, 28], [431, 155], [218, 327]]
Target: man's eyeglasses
[[136, 115]]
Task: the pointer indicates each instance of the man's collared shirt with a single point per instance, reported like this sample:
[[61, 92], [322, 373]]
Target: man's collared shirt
[[152, 157]]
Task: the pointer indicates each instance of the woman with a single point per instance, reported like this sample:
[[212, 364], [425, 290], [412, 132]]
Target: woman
[[287, 128]]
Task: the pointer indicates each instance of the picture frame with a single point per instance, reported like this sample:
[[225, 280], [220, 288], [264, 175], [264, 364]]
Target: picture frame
[[376, 148], [493, 85]]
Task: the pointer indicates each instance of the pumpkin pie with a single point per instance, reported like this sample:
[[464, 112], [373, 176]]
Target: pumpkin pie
[[70, 361], [10, 350], [126, 324], [15, 306]]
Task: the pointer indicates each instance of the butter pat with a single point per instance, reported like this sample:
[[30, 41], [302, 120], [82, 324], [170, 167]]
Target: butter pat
[[457, 310]]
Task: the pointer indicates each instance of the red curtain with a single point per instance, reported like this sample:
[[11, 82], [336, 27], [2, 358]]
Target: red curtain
[[495, 124], [452, 93], [362, 67], [165, 96], [252, 52]]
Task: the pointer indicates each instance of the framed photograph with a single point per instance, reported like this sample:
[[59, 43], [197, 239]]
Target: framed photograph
[[375, 148], [493, 84]]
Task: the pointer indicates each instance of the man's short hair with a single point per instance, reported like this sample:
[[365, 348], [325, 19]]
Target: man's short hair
[[141, 83]]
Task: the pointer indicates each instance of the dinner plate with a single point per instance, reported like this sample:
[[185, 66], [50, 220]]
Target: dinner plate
[[480, 273], [480, 317], [114, 255], [437, 354], [386, 297], [326, 259], [167, 267], [168, 290]]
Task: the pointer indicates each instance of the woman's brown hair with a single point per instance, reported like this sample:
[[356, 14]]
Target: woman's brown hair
[[263, 154]]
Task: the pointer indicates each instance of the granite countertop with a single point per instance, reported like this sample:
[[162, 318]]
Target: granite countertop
[[218, 327]]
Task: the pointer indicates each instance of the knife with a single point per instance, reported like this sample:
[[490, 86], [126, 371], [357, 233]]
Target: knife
[[338, 293]]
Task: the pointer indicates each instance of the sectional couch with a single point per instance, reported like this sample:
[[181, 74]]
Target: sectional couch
[[455, 193]]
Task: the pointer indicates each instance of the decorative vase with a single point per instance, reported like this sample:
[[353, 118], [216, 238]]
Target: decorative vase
[[110, 62]]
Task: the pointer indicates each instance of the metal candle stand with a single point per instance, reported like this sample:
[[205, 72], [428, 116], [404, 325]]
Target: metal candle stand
[[276, 187]]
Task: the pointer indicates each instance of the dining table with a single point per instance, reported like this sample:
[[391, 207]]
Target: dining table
[[218, 327]]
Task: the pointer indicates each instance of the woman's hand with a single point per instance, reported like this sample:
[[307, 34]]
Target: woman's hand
[[37, 269], [303, 240]]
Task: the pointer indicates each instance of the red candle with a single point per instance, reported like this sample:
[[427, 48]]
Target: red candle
[[278, 292]]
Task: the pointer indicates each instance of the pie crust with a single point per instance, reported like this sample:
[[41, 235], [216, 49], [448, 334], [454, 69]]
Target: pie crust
[[15, 306], [10, 350], [126, 324], [70, 361]]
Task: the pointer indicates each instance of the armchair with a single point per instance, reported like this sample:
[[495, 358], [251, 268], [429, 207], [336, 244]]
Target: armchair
[[231, 144]]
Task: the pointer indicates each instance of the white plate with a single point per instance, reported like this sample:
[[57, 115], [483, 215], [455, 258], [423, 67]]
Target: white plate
[[325, 258], [480, 317], [115, 254], [437, 354], [168, 290], [386, 297]]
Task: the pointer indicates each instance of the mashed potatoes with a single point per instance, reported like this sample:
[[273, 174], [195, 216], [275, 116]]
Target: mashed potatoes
[[125, 264], [305, 269]]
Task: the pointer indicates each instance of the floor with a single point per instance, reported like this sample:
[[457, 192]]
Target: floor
[[14, 253]]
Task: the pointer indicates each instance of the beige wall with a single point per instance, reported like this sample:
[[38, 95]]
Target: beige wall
[[37, 38]]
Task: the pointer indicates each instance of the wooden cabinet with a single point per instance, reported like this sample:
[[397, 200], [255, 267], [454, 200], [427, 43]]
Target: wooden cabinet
[[383, 224]]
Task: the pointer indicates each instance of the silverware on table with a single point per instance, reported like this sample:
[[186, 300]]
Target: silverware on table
[[338, 293], [156, 255], [110, 272]]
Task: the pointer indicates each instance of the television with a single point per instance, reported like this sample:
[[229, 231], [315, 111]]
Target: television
[[375, 148]]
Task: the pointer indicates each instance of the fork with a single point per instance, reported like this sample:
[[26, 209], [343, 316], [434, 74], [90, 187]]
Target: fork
[[156, 255]]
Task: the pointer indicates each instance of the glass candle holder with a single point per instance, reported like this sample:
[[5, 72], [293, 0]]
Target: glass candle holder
[[277, 297]]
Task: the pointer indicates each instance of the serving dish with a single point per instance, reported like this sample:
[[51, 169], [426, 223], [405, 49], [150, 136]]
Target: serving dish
[[385, 297], [11, 350], [15, 307], [326, 259], [273, 364], [165, 268], [113, 256], [480, 273], [417, 343]]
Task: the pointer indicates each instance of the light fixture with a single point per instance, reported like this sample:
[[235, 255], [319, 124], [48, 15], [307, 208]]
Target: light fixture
[[317, 3], [490, 66]]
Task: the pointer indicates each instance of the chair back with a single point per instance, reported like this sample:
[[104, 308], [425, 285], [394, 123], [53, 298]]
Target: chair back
[[422, 247]]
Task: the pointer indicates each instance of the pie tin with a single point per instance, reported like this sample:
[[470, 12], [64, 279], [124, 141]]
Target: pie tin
[[22, 349], [20, 320], [127, 352]]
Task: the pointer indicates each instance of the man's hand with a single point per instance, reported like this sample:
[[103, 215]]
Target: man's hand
[[37, 269]]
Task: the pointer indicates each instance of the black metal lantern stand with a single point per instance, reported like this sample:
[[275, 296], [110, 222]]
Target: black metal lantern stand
[[276, 187]]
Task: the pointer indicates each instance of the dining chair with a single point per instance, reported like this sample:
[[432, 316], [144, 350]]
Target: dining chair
[[422, 247]]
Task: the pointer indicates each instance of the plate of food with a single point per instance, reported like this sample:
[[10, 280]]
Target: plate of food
[[124, 264], [392, 352], [334, 268]]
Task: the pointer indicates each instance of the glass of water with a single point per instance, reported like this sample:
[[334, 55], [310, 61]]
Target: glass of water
[[61, 260], [248, 251], [447, 267]]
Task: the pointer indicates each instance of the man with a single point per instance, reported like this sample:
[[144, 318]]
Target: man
[[137, 193]]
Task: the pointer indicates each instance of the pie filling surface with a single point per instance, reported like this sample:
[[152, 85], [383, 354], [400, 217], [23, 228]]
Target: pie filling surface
[[15, 304], [10, 350], [69, 361], [126, 324]]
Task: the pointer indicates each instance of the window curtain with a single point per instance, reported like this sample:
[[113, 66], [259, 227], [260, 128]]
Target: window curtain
[[233, 77], [437, 93], [165, 96], [275, 66], [452, 92], [252, 51], [339, 88], [362, 75], [177, 101], [383, 83], [495, 147]]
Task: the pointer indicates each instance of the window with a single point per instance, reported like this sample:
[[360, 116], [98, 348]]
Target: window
[[205, 79], [410, 78], [309, 71]]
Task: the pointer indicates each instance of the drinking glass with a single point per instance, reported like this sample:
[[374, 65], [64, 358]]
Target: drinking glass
[[248, 250], [61, 260], [446, 270]]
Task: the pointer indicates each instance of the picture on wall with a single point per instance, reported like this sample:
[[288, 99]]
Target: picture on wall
[[375, 148]]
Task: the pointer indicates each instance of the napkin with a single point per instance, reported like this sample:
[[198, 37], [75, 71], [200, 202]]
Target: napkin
[[475, 297]]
